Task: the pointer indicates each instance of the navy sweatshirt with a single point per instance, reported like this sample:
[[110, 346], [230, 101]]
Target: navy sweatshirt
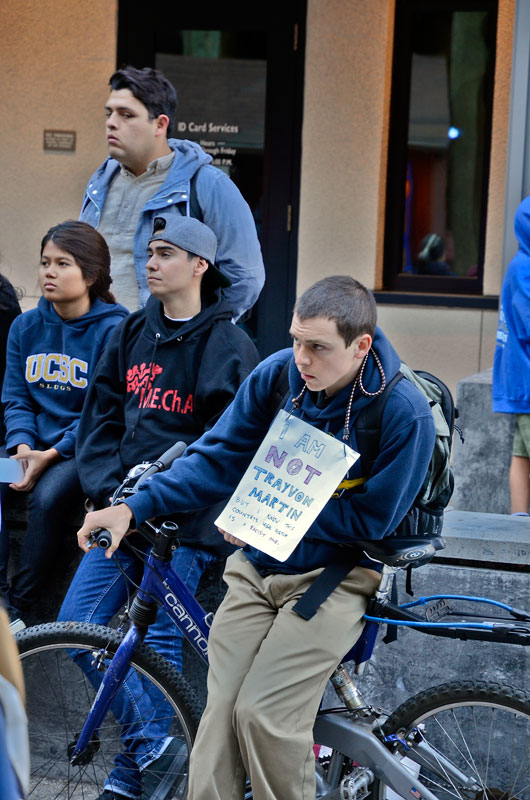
[[212, 467], [49, 363]]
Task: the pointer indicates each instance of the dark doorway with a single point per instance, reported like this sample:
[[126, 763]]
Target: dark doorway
[[238, 72]]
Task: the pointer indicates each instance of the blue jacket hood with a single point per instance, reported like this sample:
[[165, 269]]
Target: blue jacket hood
[[98, 311], [189, 157], [521, 226]]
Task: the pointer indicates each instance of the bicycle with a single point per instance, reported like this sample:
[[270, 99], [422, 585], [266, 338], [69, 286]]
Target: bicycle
[[465, 739]]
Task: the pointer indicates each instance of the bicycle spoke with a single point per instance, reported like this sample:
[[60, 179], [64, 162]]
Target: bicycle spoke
[[478, 738], [157, 704]]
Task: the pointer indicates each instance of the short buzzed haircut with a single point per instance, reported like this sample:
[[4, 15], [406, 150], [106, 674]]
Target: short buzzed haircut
[[344, 300], [151, 88]]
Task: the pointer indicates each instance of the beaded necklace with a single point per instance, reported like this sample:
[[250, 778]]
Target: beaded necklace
[[357, 384]]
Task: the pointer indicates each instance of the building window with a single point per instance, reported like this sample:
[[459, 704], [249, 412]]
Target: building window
[[439, 145]]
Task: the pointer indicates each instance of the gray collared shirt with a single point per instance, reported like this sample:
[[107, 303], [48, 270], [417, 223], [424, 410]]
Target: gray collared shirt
[[126, 198]]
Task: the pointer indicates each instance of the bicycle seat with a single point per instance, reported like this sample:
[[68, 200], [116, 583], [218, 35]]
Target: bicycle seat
[[396, 552]]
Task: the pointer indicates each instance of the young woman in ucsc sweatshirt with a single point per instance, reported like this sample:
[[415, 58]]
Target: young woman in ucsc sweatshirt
[[52, 351]]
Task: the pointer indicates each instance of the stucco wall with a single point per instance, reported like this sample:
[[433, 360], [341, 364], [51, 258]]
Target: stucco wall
[[345, 131], [56, 59], [450, 342], [347, 73], [493, 267]]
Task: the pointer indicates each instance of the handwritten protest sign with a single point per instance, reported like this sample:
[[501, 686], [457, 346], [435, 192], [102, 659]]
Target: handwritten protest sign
[[289, 481]]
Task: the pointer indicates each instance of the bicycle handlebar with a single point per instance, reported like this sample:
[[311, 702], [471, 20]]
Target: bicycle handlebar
[[102, 537], [162, 463]]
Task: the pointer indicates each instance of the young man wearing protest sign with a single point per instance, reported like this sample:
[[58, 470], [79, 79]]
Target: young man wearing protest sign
[[268, 664]]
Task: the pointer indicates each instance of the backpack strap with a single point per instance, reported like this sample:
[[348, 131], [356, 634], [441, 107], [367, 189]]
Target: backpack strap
[[392, 630], [195, 209], [281, 391], [368, 426], [328, 580]]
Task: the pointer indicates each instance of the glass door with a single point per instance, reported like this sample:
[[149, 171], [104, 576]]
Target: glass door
[[239, 82]]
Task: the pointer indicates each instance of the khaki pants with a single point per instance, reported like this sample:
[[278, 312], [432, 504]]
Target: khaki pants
[[268, 670]]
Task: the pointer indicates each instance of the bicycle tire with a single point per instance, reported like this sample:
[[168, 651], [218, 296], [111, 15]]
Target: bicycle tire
[[482, 728], [487, 737], [59, 696]]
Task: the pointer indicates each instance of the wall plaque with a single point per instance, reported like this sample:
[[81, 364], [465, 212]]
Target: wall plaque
[[59, 140]]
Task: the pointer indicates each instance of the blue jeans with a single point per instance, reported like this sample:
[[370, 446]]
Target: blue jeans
[[96, 593], [49, 504]]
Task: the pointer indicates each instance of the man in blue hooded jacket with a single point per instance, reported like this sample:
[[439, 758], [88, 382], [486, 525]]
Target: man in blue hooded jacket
[[511, 365], [147, 174], [268, 665]]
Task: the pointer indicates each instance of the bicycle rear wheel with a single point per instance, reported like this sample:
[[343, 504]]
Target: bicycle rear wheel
[[478, 741], [59, 697]]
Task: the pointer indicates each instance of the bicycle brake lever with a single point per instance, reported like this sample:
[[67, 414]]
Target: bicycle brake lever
[[518, 613]]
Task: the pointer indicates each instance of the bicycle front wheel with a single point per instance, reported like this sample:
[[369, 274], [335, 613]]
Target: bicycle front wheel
[[63, 663], [467, 739]]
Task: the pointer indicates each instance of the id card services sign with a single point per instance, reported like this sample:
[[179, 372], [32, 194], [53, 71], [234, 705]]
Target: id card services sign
[[287, 484]]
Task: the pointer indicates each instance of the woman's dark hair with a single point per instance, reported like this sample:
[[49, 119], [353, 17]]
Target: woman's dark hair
[[8, 297], [151, 88], [90, 251]]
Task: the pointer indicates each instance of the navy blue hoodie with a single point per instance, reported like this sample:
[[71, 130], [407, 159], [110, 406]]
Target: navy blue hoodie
[[49, 363], [211, 468]]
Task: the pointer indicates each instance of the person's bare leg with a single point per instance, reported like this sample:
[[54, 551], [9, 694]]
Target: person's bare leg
[[520, 485]]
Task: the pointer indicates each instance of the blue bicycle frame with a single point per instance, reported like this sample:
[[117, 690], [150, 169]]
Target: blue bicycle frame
[[162, 587], [161, 584]]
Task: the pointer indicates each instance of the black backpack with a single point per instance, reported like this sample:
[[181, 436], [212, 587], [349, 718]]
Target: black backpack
[[425, 517]]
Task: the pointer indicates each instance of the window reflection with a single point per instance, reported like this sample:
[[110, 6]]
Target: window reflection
[[444, 169], [221, 102], [220, 78]]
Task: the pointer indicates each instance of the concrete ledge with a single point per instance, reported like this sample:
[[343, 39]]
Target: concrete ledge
[[481, 465], [500, 540]]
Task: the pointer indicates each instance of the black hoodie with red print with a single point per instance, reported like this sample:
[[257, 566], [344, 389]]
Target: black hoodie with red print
[[156, 383]]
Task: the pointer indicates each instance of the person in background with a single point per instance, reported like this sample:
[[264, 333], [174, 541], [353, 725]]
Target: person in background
[[14, 748], [431, 257], [9, 309], [148, 174], [52, 351], [511, 364]]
